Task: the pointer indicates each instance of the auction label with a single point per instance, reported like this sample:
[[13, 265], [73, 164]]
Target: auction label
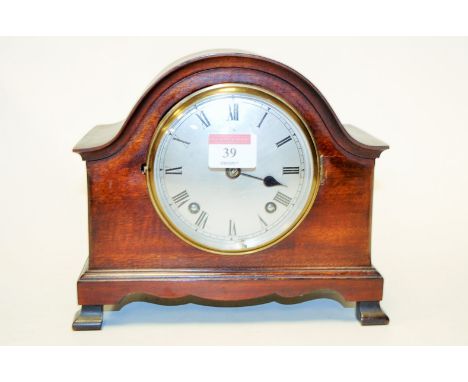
[[232, 150]]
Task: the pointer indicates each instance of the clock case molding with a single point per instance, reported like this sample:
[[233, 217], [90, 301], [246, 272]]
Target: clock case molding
[[133, 256]]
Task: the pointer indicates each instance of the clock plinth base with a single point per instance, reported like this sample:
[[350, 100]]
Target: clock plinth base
[[228, 287], [370, 313], [89, 317]]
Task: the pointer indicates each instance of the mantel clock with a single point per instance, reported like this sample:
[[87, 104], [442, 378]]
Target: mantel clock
[[231, 182]]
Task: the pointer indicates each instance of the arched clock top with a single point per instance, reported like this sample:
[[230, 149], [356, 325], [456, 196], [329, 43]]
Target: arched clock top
[[201, 71]]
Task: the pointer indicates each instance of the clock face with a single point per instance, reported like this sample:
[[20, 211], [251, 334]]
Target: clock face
[[232, 169]]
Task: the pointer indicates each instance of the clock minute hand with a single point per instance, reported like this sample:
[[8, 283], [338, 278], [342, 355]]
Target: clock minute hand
[[251, 176], [268, 181]]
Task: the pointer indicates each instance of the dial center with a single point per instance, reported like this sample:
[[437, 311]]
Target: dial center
[[233, 173]]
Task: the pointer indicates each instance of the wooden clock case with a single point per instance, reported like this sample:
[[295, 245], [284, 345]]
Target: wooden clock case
[[133, 256]]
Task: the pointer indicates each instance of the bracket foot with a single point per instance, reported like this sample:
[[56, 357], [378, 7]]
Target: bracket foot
[[89, 317], [370, 313]]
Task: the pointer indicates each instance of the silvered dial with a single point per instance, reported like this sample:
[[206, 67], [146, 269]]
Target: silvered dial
[[232, 210]]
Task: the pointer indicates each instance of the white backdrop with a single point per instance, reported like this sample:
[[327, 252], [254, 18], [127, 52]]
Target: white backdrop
[[410, 92]]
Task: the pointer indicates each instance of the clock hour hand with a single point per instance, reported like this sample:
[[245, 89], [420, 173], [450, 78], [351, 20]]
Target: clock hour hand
[[268, 181]]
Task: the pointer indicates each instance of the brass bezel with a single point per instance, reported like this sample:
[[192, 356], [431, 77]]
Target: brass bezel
[[186, 103]]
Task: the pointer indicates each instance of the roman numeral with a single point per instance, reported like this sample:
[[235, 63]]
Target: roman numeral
[[263, 118], [283, 141], [202, 117], [290, 170], [201, 221], [264, 223], [232, 228], [173, 171], [234, 112], [181, 140], [282, 199], [181, 198]]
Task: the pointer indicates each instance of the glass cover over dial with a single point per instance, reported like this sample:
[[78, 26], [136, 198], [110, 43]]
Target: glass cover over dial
[[197, 176]]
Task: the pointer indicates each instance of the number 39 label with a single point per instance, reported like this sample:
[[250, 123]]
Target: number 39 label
[[232, 150]]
